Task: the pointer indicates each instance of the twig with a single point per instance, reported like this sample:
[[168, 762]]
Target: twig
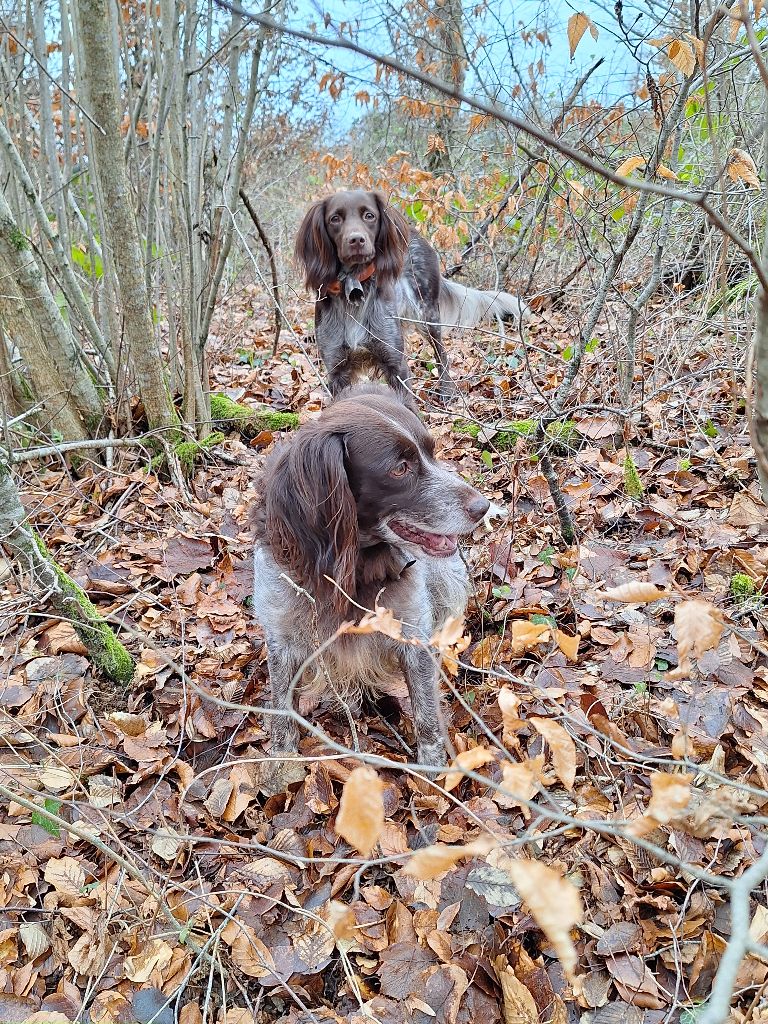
[[272, 265], [718, 1006]]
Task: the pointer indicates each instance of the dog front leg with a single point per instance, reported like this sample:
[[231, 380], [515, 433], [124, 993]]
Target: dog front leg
[[421, 675], [281, 769]]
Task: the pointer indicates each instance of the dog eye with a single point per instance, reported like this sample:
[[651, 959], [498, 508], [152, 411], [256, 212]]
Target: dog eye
[[334, 219], [369, 216], [401, 469]]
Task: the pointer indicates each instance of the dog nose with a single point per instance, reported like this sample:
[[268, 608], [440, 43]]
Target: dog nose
[[356, 239], [477, 507]]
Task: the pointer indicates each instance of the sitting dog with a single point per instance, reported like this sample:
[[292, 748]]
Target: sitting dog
[[355, 508], [369, 268]]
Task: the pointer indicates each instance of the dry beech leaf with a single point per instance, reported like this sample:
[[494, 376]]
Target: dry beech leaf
[[741, 167], [56, 778], [569, 645], [577, 25], [250, 954], [340, 918], [128, 724], [466, 761], [519, 1005], [630, 164], [521, 781], [555, 905], [682, 56], [66, 875], [361, 810], [156, 955], [509, 703], [670, 795], [633, 593], [34, 939], [562, 747], [665, 172], [698, 626], [526, 635], [451, 641], [435, 860], [381, 620], [167, 843], [698, 46]]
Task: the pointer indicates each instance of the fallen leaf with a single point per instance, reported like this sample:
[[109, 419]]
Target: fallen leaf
[[521, 782], [569, 645], [519, 1005], [562, 747], [435, 860], [66, 875], [155, 955], [555, 905], [698, 626], [360, 818], [466, 761], [638, 592], [250, 955]]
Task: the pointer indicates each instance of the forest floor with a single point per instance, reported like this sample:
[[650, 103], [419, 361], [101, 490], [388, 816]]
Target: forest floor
[[194, 856]]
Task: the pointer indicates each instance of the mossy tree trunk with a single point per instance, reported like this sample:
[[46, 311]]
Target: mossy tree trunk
[[98, 82], [56, 365], [65, 596]]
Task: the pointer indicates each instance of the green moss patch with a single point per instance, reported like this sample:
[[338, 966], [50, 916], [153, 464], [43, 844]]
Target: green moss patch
[[633, 485], [561, 433], [742, 587], [104, 649], [230, 415]]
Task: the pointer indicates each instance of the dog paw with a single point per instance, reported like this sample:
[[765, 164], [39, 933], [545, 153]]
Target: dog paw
[[280, 772]]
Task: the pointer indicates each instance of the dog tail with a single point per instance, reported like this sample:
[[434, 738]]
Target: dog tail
[[465, 307]]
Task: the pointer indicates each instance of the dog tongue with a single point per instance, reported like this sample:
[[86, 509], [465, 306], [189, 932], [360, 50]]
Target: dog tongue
[[433, 543]]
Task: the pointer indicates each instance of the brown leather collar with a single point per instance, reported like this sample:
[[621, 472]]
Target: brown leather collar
[[334, 288]]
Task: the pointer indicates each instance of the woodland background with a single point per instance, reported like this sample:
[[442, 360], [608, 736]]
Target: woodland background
[[598, 852]]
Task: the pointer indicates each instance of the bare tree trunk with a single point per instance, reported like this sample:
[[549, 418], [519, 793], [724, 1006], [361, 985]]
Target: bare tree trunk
[[74, 292], [98, 77], [452, 65], [25, 284], [759, 411], [58, 417]]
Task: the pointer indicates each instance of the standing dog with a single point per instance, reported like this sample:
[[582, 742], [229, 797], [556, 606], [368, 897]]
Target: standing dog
[[356, 511], [369, 269]]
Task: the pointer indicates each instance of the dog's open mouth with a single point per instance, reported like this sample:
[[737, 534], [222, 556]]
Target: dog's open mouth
[[440, 544]]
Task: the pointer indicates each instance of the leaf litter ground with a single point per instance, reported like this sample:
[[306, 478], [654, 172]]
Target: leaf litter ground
[[239, 906]]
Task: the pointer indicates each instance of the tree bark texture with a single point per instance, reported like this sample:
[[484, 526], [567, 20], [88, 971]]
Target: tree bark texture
[[98, 75], [56, 367]]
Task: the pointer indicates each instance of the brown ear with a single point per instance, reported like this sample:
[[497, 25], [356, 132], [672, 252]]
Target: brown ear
[[311, 517], [315, 251], [391, 241]]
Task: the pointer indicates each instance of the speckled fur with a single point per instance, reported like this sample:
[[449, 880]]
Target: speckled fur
[[422, 591]]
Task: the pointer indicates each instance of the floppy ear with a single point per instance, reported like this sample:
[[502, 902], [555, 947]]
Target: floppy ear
[[311, 517], [391, 241], [315, 251]]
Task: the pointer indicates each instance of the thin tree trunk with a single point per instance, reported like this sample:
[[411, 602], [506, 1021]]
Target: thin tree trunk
[[74, 291], [23, 273], [98, 77]]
